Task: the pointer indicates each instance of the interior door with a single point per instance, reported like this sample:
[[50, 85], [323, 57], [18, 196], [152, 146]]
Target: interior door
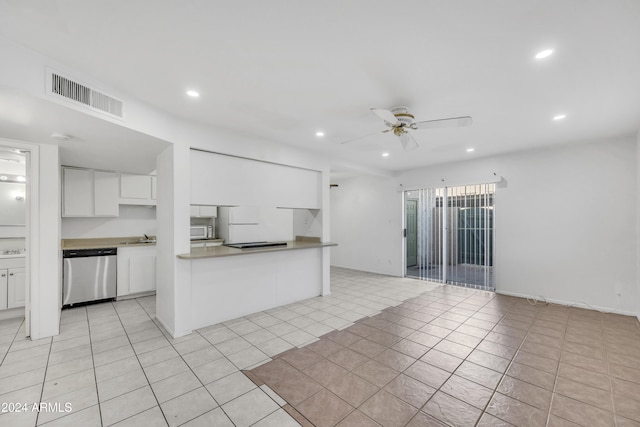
[[411, 241]]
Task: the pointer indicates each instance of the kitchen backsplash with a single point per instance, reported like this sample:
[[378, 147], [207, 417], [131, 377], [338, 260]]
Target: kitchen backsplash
[[133, 221]]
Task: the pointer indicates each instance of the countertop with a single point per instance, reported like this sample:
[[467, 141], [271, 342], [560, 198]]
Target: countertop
[[4, 256], [225, 251], [106, 242], [208, 241]]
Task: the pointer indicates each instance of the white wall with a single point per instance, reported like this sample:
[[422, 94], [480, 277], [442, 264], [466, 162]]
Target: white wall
[[638, 223], [307, 223], [565, 221], [366, 223], [133, 221]]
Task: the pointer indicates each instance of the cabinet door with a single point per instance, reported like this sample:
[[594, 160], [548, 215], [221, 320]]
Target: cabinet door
[[4, 276], [136, 270], [77, 192], [154, 187], [208, 211], [195, 211], [244, 215], [142, 273], [106, 186], [135, 187], [15, 288]]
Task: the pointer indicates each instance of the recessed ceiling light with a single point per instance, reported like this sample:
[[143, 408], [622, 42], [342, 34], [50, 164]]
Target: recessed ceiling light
[[559, 117], [544, 53], [20, 178], [3, 178], [193, 93], [319, 133], [469, 150], [60, 136], [385, 154]]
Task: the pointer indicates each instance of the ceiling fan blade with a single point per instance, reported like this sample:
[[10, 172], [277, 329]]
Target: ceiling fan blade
[[386, 115], [443, 123], [364, 136], [407, 141]]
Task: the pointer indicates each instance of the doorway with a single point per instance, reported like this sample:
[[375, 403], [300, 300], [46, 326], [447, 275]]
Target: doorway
[[454, 235], [14, 196]]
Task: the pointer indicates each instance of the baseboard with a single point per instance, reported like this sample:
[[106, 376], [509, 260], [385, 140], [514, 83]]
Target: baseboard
[[382, 273], [138, 295], [570, 303], [170, 330], [12, 313]]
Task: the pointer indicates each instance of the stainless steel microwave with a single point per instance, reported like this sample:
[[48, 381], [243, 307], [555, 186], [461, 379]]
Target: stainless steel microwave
[[199, 232]]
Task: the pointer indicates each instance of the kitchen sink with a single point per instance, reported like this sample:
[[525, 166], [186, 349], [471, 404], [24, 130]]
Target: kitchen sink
[[138, 242]]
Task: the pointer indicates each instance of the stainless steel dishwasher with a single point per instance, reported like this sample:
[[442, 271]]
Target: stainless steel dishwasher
[[88, 275]]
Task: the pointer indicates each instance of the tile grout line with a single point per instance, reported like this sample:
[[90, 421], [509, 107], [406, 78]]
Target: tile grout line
[[44, 378], [93, 365], [606, 357], [465, 359], [140, 364], [12, 341], [557, 374]]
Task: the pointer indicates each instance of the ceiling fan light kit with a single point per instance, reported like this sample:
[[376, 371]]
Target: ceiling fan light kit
[[400, 121]]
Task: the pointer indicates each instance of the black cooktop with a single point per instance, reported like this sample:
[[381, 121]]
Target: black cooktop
[[253, 245]]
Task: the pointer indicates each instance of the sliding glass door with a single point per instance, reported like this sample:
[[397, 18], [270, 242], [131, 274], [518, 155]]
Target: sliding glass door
[[453, 237]]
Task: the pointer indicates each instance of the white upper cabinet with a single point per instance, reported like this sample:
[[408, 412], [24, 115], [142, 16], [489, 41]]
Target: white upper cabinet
[[135, 186], [244, 215], [204, 211], [106, 186], [137, 190], [154, 187], [233, 181], [77, 192], [89, 193]]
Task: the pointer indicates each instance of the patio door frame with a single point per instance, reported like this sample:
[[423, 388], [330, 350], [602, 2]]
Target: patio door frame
[[489, 236]]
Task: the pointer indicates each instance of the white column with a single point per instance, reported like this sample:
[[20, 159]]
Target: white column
[[173, 286]]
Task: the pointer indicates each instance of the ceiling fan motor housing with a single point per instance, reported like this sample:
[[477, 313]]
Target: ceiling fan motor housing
[[404, 117]]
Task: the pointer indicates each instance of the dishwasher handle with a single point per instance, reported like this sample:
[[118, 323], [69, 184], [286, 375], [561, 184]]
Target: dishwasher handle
[[81, 253]]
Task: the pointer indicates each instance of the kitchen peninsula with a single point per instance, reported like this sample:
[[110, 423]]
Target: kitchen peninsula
[[256, 200], [228, 283]]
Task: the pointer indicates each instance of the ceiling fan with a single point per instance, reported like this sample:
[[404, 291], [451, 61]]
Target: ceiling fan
[[400, 121]]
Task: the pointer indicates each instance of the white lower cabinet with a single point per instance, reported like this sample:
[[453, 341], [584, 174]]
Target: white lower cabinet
[[4, 281], [12, 283], [136, 270], [15, 288]]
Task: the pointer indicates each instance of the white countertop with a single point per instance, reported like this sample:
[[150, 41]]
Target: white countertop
[[2, 256]]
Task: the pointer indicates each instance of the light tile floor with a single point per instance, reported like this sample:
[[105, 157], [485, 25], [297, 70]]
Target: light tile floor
[[112, 364]]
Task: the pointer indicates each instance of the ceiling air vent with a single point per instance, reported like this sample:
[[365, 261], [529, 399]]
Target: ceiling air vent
[[74, 91]]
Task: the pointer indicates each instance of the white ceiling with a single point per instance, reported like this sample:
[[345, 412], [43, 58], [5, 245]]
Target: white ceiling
[[93, 143], [283, 69]]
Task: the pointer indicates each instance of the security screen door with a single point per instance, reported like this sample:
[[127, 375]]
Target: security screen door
[[455, 230]]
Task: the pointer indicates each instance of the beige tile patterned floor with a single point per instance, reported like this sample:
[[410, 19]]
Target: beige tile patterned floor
[[461, 357], [392, 352]]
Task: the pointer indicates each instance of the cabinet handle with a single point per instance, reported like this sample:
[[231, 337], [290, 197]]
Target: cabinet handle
[[10, 274], [4, 275]]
